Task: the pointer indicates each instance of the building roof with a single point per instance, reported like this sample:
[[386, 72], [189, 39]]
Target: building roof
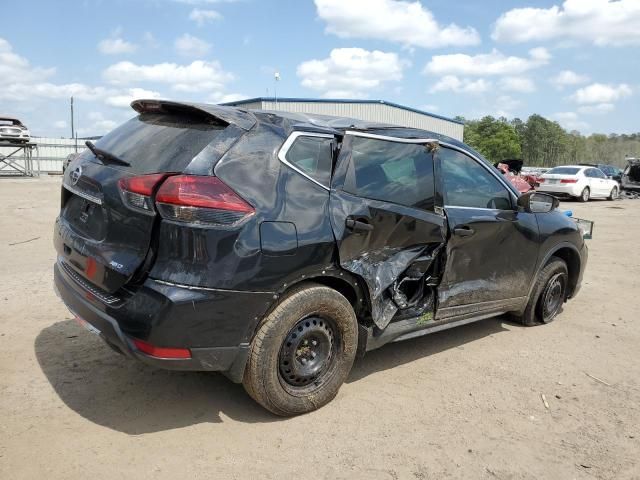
[[337, 100]]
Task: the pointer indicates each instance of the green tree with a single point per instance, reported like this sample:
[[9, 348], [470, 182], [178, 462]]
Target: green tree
[[497, 140]]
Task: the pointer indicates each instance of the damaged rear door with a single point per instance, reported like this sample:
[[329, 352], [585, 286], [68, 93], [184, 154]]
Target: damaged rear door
[[382, 214]]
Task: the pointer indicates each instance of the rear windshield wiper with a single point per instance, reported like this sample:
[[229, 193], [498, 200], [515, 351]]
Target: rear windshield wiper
[[104, 155]]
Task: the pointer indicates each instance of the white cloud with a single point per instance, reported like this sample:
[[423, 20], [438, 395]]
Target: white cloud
[[494, 63], [351, 72], [599, 108], [518, 84], [568, 78], [124, 99], [601, 93], [505, 105], [116, 46], [407, 23], [99, 125], [599, 22], [15, 69], [197, 76], [570, 120], [21, 92], [190, 46], [60, 124], [226, 97], [451, 83], [202, 17]]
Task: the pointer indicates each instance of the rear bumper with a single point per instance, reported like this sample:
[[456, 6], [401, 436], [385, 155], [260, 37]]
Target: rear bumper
[[215, 325], [558, 190]]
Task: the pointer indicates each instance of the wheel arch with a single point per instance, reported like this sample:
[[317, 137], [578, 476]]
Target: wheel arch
[[571, 256]]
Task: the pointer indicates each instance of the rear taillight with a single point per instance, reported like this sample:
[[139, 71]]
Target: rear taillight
[[200, 200], [161, 352], [137, 191], [569, 180]]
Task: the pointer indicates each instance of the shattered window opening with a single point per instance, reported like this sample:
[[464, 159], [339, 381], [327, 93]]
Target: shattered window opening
[[393, 172]]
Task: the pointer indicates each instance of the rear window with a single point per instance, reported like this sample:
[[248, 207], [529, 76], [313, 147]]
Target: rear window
[[160, 142], [563, 171], [313, 156]]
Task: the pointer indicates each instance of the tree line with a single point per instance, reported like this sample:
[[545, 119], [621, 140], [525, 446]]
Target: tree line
[[542, 142]]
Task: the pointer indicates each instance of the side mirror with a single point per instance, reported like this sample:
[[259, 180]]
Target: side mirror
[[536, 202]]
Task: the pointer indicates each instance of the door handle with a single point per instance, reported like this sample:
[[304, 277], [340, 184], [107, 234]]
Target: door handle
[[463, 231], [357, 225]]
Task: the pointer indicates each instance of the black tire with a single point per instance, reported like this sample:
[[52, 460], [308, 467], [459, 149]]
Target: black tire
[[311, 314], [614, 194], [585, 195], [538, 311]]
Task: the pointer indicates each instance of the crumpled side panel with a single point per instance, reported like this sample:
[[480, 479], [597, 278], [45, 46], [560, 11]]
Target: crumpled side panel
[[380, 269]]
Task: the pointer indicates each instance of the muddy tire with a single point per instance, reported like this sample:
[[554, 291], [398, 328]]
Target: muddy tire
[[302, 352], [614, 194], [548, 294], [585, 195]]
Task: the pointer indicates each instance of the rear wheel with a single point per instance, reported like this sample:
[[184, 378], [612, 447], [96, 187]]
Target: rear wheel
[[302, 352], [614, 194], [585, 195], [548, 295]]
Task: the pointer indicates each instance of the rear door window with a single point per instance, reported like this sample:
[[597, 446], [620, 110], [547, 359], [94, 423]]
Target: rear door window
[[312, 156], [160, 142], [466, 183], [391, 171]]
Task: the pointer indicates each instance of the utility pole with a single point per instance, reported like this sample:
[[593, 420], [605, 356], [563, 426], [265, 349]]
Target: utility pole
[[72, 126], [276, 77]]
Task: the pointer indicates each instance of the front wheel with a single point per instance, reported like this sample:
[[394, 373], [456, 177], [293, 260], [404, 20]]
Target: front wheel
[[614, 194], [302, 351], [585, 195], [548, 295]]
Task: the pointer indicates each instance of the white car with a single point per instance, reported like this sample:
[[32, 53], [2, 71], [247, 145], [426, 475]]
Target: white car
[[578, 182], [12, 130]]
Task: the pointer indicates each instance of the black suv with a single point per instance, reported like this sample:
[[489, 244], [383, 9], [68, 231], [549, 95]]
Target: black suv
[[275, 246]]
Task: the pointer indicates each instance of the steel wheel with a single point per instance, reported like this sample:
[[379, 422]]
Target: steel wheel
[[308, 354], [553, 297]]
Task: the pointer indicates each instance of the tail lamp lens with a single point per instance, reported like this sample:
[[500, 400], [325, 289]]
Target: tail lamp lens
[[200, 200], [569, 180], [137, 191]]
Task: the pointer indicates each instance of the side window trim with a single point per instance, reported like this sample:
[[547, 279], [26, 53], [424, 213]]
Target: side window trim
[[282, 154], [489, 169]]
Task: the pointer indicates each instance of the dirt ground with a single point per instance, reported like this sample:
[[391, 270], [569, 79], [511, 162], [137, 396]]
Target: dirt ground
[[465, 403]]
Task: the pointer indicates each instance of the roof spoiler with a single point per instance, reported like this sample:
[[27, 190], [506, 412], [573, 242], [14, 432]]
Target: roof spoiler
[[230, 115]]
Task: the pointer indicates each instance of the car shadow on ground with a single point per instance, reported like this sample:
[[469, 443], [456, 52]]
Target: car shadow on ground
[[407, 351], [128, 396]]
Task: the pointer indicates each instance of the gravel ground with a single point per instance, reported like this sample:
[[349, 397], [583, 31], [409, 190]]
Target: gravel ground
[[465, 403]]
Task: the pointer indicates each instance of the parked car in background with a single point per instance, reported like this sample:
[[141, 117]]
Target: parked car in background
[[511, 170], [13, 130], [610, 171], [630, 179], [274, 246], [578, 181]]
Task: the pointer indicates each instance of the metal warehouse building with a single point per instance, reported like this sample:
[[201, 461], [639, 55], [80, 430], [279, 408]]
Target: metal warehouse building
[[370, 110]]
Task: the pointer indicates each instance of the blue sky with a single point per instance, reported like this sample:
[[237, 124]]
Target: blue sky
[[575, 61]]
